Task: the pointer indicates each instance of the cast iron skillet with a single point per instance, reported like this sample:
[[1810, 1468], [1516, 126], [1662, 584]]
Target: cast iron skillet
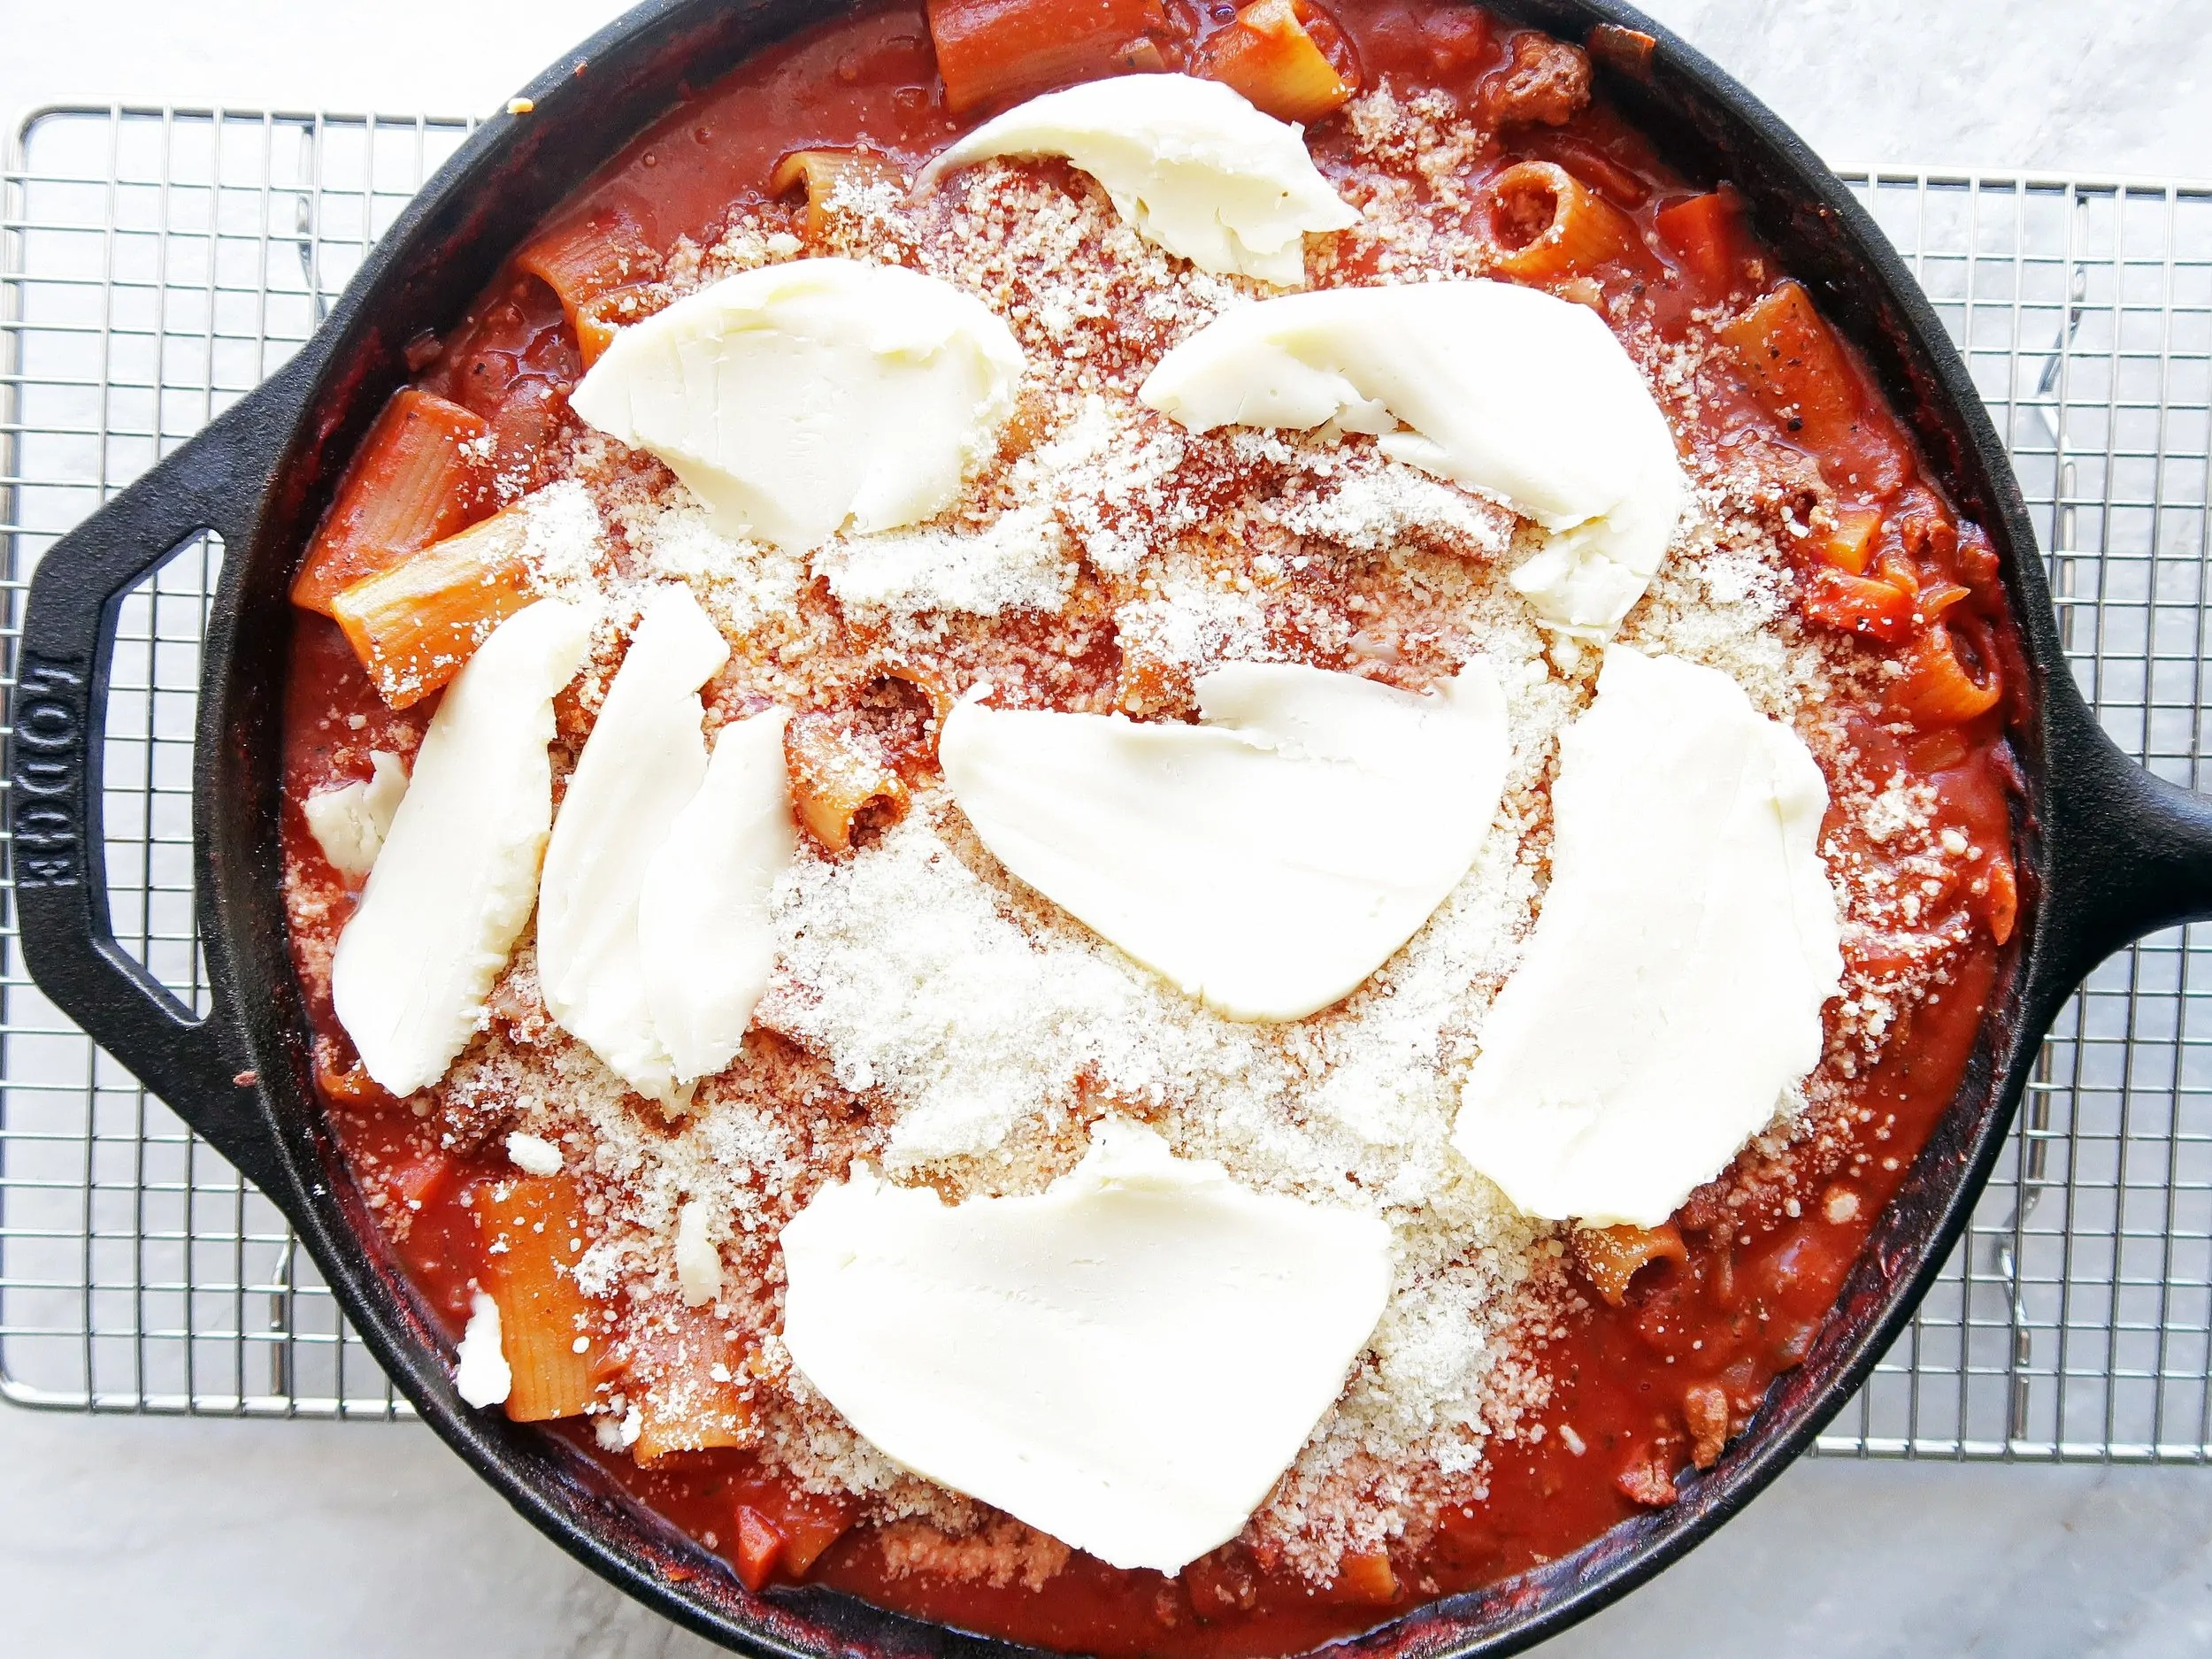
[[2107, 852]]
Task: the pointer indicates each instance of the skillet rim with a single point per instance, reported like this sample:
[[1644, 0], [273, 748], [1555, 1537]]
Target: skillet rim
[[1512, 1617]]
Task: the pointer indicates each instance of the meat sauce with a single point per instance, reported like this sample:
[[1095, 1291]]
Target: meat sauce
[[1651, 1384]]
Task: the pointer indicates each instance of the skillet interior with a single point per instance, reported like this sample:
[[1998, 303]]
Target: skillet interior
[[425, 272]]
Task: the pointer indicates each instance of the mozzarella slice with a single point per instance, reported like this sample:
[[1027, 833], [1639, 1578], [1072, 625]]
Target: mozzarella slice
[[1189, 164], [1267, 861], [1498, 387], [644, 761], [704, 927], [1127, 1362], [1672, 988], [797, 397], [349, 823], [459, 870]]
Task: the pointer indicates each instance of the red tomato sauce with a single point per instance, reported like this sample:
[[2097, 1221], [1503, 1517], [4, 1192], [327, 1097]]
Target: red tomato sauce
[[1708, 1332]]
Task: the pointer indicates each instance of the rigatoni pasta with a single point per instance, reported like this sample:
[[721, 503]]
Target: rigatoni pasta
[[688, 1371], [534, 1229], [840, 783], [1612, 1256], [993, 51], [423, 474], [1550, 226], [1273, 56], [818, 172], [1793, 362], [415, 626], [592, 264]]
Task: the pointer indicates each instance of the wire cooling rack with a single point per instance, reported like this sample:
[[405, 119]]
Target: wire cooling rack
[[156, 264]]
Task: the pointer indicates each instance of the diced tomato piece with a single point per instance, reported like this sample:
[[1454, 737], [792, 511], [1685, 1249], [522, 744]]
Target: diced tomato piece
[[1858, 605], [421, 1179], [1850, 545], [2000, 898], [1221, 1584], [809, 1526], [1366, 1579], [1458, 37], [1706, 231], [760, 1545]]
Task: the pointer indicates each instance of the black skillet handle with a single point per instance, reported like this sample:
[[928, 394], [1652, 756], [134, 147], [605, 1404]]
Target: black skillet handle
[[55, 768], [2127, 853]]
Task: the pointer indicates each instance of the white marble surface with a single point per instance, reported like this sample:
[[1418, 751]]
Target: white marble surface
[[126, 1538]]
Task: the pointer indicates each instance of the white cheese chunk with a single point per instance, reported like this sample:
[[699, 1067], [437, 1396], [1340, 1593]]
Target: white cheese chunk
[[1672, 988], [619, 1434], [1267, 861], [698, 1263], [644, 762], [350, 822], [797, 397], [458, 872], [1500, 388], [481, 1375], [1127, 1362], [703, 926], [534, 1155], [1189, 164]]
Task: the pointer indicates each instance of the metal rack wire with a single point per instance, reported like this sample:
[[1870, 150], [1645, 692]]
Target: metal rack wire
[[2075, 1321], [155, 265]]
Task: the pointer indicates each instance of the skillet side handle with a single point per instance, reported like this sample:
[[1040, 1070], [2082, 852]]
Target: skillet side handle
[[2128, 852], [55, 767]]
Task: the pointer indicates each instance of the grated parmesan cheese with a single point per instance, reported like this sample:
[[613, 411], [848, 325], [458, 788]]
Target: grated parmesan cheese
[[1018, 562]]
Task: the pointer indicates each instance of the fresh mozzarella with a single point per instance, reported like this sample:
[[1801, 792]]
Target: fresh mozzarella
[[1268, 860], [1672, 988], [1127, 1362], [1189, 164], [645, 760], [481, 1375], [459, 870], [703, 928], [797, 397], [349, 823], [1500, 388]]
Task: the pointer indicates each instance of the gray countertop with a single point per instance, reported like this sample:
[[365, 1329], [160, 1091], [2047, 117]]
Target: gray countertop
[[126, 1537]]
